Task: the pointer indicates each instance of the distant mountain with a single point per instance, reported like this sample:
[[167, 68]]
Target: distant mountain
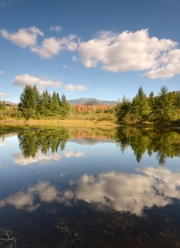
[[90, 141], [82, 101], [10, 103], [91, 103]]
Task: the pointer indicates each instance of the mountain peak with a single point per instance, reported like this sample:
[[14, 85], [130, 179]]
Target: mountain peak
[[83, 100]]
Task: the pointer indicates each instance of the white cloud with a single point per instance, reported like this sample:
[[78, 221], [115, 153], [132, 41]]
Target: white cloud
[[20, 159], [25, 79], [2, 94], [74, 58], [69, 154], [169, 65], [1, 72], [52, 46], [55, 28], [24, 37], [126, 51], [74, 87], [66, 67]]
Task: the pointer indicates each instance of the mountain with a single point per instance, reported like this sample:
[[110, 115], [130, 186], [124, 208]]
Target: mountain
[[90, 141], [91, 103], [82, 101], [10, 103]]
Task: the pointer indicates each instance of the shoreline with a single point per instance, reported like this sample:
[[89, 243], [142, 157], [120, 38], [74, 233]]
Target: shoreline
[[14, 125]]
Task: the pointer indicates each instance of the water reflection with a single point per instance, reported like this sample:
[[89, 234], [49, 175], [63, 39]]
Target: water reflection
[[116, 190], [164, 142], [95, 194], [39, 157]]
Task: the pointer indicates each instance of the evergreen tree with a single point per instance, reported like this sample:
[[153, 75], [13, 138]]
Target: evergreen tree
[[165, 108], [140, 105], [44, 106], [27, 103], [123, 109], [59, 100], [55, 107], [65, 106]]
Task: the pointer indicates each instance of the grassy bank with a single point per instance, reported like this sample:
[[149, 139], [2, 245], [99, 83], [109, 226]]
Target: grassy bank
[[16, 125]]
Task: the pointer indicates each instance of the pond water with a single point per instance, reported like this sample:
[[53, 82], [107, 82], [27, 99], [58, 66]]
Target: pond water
[[87, 187]]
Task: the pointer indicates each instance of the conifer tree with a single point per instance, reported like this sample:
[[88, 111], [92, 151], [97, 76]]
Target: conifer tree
[[65, 106], [140, 104], [27, 103], [165, 108]]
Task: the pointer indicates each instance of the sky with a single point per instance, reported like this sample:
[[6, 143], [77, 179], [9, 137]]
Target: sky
[[89, 48]]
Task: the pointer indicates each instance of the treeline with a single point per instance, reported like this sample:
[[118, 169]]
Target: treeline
[[162, 108], [36, 106]]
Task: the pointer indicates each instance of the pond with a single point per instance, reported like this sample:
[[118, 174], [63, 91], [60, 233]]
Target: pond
[[89, 187]]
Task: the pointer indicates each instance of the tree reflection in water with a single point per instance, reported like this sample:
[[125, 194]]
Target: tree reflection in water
[[164, 142]]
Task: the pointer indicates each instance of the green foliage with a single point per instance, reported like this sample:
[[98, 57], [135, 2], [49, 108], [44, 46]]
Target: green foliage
[[140, 105], [123, 109], [2, 105], [163, 108], [35, 105], [65, 106]]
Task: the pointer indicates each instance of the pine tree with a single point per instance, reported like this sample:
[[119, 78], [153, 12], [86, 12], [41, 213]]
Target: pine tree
[[140, 105], [165, 108], [55, 106], [27, 103], [44, 106], [123, 109], [65, 106]]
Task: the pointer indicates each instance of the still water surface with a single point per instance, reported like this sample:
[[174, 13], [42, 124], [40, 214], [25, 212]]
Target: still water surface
[[82, 187]]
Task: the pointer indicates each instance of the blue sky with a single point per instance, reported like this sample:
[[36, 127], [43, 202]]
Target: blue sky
[[99, 48]]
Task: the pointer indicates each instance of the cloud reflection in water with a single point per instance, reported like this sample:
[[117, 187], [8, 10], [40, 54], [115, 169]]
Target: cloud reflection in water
[[119, 190]]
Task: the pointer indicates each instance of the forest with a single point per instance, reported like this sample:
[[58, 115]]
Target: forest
[[163, 108]]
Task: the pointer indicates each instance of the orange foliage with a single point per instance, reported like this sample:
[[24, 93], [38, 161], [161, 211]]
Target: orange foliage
[[88, 108]]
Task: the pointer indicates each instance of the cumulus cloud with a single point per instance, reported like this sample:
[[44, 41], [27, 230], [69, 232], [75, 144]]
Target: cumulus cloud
[[24, 37], [2, 94], [69, 154], [75, 87], [55, 28], [20, 159], [25, 79], [130, 51], [169, 65], [52, 46]]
